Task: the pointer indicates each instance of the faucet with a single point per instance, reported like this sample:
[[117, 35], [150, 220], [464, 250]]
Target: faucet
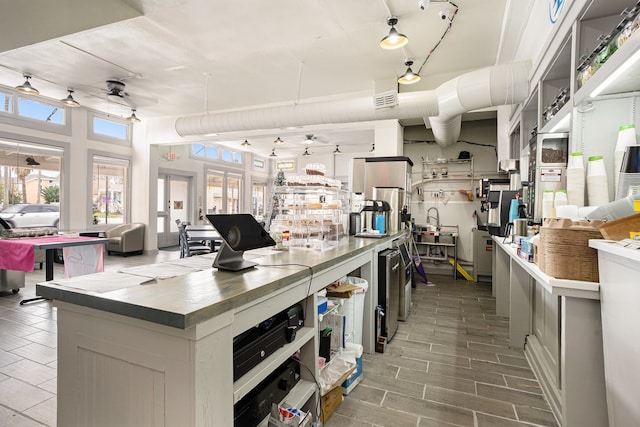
[[437, 217]]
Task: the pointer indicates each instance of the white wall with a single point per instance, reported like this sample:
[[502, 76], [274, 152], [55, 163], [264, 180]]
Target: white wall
[[457, 210]]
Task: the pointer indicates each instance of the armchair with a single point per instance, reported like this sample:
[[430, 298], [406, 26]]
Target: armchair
[[125, 239]]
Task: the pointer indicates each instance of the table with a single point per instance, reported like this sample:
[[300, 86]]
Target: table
[[24, 247], [175, 336], [557, 323], [204, 233]]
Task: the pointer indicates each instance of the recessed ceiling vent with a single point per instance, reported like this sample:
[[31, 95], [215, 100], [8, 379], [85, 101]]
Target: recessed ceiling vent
[[385, 99]]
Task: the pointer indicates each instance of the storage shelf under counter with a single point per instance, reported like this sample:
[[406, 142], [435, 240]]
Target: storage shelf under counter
[[557, 324], [175, 335]]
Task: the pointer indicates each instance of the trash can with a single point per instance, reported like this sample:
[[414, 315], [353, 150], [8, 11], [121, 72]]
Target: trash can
[[354, 309]]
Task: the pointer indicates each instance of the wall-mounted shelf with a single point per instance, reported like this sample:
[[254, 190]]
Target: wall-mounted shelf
[[454, 176]]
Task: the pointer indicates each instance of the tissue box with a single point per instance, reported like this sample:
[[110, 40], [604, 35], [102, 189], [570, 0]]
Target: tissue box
[[526, 250], [352, 381]]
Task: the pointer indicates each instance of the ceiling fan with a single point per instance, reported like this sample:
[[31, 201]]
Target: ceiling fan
[[116, 91], [311, 138]]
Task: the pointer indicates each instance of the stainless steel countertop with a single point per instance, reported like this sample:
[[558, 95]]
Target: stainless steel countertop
[[186, 300]]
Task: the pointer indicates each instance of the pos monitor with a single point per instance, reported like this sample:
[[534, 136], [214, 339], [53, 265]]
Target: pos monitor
[[240, 232]]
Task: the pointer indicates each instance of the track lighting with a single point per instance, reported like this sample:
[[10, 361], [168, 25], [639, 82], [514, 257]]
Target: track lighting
[[394, 39], [278, 141], [306, 152], [337, 151], [409, 77], [246, 143], [273, 153], [133, 118], [69, 101], [26, 86]]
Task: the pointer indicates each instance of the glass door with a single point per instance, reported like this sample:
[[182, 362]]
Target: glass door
[[224, 192], [174, 203]]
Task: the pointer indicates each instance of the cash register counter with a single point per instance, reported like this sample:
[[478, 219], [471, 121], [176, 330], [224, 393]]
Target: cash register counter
[[140, 352], [557, 323]]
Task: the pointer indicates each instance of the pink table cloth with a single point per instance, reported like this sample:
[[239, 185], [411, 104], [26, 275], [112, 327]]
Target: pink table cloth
[[17, 254]]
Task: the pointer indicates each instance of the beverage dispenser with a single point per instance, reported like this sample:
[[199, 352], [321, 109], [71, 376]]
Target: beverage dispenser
[[548, 156]]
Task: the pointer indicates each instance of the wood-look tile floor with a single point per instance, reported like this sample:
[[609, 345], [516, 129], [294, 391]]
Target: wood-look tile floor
[[448, 365]]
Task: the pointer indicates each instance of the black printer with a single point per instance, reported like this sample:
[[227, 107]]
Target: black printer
[[257, 343]]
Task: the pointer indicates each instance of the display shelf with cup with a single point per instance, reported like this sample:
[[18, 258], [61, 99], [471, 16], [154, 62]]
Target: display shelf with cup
[[597, 182]]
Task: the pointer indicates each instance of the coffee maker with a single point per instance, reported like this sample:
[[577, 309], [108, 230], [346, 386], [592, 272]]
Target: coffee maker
[[499, 204], [387, 179], [375, 215]]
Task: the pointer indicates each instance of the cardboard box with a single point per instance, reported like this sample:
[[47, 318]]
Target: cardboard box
[[343, 290], [330, 402]]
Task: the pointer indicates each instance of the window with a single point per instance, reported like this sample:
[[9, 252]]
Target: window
[[258, 199], [24, 185], [286, 165], [109, 190], [210, 152], [6, 103], [224, 192], [259, 164], [107, 129], [41, 111]]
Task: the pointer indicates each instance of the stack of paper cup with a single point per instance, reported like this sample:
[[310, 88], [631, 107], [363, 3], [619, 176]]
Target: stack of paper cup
[[575, 180], [560, 198], [626, 137], [547, 204], [597, 182]]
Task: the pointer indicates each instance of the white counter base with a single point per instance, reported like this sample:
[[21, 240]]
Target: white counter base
[[557, 323]]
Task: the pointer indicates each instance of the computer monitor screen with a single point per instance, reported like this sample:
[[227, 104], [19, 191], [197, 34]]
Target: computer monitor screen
[[241, 231]]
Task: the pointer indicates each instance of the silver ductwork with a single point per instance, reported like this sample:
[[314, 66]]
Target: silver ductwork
[[314, 113], [487, 87]]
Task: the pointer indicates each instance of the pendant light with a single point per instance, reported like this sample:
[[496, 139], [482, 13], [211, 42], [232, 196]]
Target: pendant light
[[273, 153], [69, 101], [409, 77], [393, 40], [26, 86], [278, 141], [246, 143], [133, 118], [337, 151], [306, 152]]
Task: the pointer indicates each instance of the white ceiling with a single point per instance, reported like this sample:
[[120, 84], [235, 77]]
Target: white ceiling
[[181, 57]]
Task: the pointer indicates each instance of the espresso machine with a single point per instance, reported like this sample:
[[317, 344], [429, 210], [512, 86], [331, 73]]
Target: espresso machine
[[499, 204]]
